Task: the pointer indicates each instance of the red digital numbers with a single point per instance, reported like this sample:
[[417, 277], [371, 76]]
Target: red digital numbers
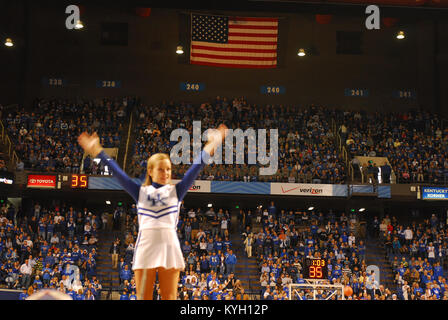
[[83, 181], [316, 268], [319, 262], [79, 181], [315, 272], [75, 181]]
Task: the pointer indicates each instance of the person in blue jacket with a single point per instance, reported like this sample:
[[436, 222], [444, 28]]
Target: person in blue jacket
[[214, 261], [157, 250], [23, 295], [124, 296], [230, 261], [133, 295], [125, 274]]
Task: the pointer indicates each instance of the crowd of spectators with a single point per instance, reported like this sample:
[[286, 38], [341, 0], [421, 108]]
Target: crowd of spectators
[[288, 236], [417, 252], [415, 143], [49, 247], [307, 152], [45, 136], [209, 258]]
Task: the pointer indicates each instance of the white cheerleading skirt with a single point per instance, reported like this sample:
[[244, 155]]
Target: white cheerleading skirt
[[158, 248]]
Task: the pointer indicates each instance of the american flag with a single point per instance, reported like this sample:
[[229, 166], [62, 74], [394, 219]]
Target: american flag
[[238, 42]]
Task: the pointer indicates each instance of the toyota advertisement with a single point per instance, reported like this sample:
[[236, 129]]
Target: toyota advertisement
[[41, 181]]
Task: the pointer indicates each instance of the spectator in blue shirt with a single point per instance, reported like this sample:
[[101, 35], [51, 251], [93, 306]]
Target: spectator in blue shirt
[[124, 295], [125, 274], [23, 295], [230, 262], [133, 295]]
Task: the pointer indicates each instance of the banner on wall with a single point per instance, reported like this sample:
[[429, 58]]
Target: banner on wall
[[238, 187], [6, 178], [111, 183], [297, 189], [198, 185], [434, 193], [41, 181]]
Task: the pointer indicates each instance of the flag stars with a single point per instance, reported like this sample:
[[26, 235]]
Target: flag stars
[[210, 28]]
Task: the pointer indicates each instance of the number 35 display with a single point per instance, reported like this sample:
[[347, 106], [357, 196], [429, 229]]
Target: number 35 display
[[315, 269], [79, 181]]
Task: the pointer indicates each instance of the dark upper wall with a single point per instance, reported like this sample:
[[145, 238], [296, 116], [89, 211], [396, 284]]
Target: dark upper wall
[[12, 25], [149, 67], [442, 63]]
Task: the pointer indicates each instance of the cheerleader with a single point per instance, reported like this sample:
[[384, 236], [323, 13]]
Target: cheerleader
[[157, 248]]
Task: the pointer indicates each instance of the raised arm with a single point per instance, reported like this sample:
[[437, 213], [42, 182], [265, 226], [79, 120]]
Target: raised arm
[[215, 139], [91, 145], [189, 177]]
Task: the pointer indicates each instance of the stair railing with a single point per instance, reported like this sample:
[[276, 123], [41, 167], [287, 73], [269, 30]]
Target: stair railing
[[5, 139], [343, 150], [127, 141]]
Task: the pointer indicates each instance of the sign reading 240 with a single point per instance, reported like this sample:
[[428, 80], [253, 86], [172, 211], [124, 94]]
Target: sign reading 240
[[272, 90], [192, 86]]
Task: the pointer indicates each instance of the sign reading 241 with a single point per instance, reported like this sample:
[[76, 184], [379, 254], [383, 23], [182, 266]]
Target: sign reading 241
[[404, 94], [356, 93]]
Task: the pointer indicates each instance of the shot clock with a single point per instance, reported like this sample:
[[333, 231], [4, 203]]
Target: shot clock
[[315, 269], [79, 181]]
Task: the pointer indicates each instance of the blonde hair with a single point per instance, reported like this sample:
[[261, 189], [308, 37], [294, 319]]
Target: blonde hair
[[152, 160]]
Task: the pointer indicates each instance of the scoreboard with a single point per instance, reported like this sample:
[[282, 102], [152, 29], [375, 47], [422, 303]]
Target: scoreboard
[[73, 181], [315, 269], [79, 181]]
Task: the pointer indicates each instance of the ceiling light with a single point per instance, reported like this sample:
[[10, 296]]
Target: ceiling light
[[400, 35], [79, 25], [301, 53], [180, 50], [8, 42]]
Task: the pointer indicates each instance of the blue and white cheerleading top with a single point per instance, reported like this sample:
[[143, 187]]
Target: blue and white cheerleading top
[[158, 205]]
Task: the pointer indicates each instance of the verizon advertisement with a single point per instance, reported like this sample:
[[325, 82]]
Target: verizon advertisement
[[41, 181], [6, 178], [198, 186], [297, 189]]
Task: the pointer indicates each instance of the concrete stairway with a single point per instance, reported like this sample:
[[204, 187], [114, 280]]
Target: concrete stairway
[[246, 268], [376, 255], [109, 277]]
